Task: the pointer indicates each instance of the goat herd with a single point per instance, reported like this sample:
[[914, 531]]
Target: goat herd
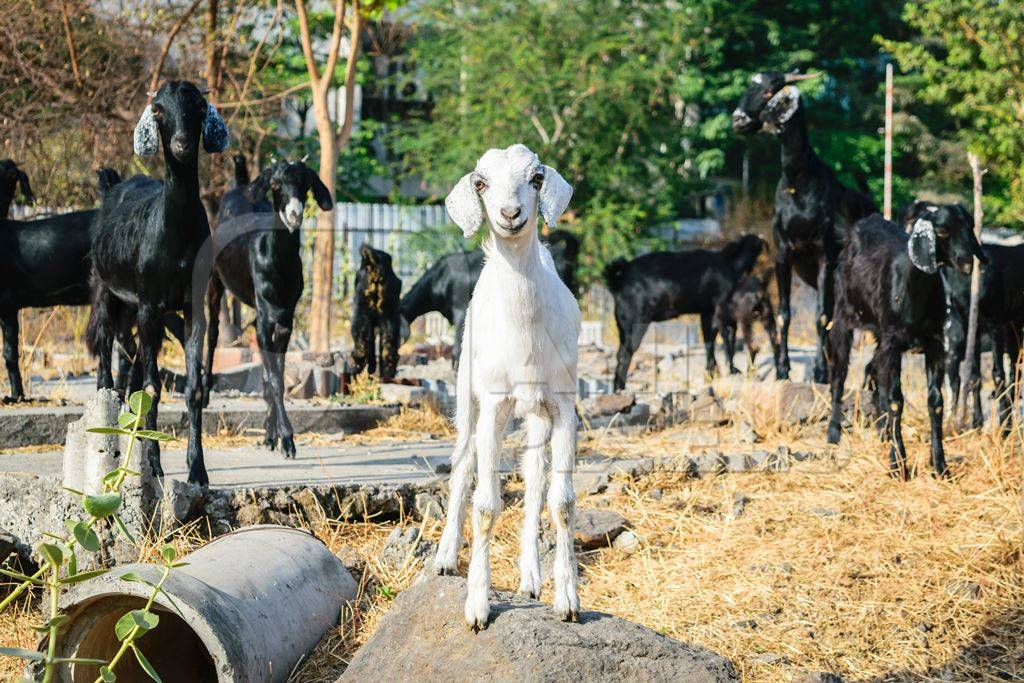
[[146, 254]]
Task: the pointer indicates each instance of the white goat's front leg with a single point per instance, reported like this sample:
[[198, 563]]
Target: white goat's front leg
[[447, 557], [538, 432], [490, 426], [562, 503]]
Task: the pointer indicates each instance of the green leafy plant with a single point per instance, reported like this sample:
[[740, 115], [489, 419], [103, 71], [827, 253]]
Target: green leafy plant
[[60, 559]]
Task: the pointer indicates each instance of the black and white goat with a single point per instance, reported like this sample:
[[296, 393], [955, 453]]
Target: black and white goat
[[148, 237], [666, 284], [376, 314], [813, 210], [448, 284], [889, 283], [13, 179], [257, 258]]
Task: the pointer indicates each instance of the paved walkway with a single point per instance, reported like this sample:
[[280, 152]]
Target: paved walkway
[[385, 463]]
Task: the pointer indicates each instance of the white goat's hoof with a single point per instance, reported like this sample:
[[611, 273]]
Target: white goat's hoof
[[478, 611], [567, 606], [445, 569], [529, 584]]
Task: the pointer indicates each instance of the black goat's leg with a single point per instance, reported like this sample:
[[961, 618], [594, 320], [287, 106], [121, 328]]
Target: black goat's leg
[[956, 343], [151, 336], [631, 333], [708, 334], [978, 417], [887, 366], [371, 348], [280, 334], [784, 282], [10, 326], [214, 295], [271, 422], [751, 345], [729, 342], [1002, 389], [934, 368], [839, 341], [390, 340], [826, 302], [195, 330], [360, 339]]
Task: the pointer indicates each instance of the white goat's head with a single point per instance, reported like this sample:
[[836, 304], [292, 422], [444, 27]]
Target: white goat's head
[[508, 187]]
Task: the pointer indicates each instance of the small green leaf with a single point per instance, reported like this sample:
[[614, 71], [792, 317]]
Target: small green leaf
[[110, 476], [107, 675], [146, 666], [136, 619], [20, 577], [168, 552], [86, 537], [102, 504], [124, 531], [52, 554], [140, 402], [21, 653], [108, 430], [126, 420], [153, 435], [55, 621], [85, 576]]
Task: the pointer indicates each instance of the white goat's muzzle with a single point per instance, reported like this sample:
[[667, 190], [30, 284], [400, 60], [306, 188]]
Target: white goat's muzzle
[[291, 216]]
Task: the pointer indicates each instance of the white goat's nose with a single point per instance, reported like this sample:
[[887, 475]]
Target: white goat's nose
[[511, 214]]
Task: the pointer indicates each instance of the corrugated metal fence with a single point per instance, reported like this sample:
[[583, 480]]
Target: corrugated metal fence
[[388, 227]]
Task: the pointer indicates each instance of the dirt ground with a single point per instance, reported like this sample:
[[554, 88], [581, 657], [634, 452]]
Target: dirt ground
[[831, 566]]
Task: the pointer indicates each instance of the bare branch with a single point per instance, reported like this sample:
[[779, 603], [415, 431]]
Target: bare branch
[[355, 28], [154, 82], [307, 43], [71, 43], [332, 55]]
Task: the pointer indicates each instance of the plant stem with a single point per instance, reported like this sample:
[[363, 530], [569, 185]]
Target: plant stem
[[129, 642], [51, 652]]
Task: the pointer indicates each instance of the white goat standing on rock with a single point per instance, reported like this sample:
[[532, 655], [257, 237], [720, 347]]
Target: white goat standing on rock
[[518, 354]]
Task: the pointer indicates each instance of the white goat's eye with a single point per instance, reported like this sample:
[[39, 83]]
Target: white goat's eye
[[480, 184], [537, 180]]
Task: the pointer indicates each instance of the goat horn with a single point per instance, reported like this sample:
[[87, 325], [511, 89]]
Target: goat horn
[[305, 158], [151, 94], [794, 77]]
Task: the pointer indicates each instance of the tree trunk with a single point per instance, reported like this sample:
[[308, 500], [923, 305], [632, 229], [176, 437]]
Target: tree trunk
[[967, 370], [323, 244]]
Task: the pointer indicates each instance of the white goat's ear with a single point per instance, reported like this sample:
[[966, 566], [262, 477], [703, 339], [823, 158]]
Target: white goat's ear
[[147, 137], [216, 135], [555, 194], [922, 248], [781, 106], [463, 206]]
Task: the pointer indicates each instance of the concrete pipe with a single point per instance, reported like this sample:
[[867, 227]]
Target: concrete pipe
[[253, 604]]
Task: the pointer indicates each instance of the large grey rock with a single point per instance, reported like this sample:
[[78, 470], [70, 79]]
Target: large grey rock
[[404, 546], [425, 638]]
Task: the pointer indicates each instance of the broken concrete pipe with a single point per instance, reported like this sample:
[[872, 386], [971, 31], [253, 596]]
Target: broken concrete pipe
[[253, 603]]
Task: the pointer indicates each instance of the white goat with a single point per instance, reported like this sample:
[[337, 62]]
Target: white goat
[[518, 354]]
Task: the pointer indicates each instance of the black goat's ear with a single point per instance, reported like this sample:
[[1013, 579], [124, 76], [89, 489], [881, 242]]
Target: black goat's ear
[[972, 239], [258, 187], [922, 246], [216, 136], [320, 192], [147, 137], [781, 107], [26, 188]]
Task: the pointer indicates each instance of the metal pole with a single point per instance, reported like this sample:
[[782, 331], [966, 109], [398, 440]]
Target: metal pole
[[887, 192]]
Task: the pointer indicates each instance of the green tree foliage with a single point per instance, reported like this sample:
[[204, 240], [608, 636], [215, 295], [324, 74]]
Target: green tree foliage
[[965, 56], [631, 101]]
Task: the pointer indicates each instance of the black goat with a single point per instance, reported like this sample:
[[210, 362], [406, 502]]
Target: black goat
[[44, 263], [257, 257], [13, 179], [376, 314], [749, 301], [241, 169], [148, 236], [813, 210], [889, 284], [666, 284], [448, 284]]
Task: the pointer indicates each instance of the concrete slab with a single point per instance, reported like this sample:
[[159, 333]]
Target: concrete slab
[[42, 425], [390, 464]]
